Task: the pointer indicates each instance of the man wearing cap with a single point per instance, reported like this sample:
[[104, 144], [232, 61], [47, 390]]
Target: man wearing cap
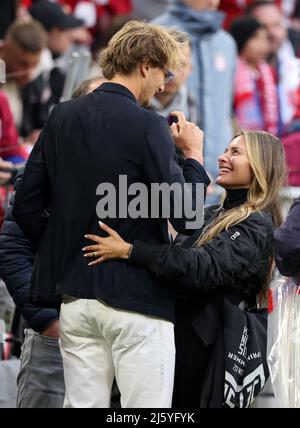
[[59, 26]]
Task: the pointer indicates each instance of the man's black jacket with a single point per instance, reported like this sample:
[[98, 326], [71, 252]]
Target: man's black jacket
[[86, 142]]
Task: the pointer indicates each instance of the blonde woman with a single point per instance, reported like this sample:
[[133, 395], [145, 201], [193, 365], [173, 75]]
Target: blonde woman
[[232, 253]]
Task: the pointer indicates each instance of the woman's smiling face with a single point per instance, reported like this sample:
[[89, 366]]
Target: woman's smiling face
[[234, 166]]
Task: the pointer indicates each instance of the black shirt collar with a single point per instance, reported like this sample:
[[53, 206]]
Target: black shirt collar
[[235, 197], [116, 88]]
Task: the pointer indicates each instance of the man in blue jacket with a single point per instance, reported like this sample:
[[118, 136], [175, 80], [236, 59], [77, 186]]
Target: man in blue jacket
[[116, 320], [40, 381]]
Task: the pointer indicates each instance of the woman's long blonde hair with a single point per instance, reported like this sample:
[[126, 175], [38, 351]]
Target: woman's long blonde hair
[[267, 161], [268, 164]]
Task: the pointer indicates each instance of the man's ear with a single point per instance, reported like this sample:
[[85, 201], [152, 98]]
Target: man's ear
[[144, 69]]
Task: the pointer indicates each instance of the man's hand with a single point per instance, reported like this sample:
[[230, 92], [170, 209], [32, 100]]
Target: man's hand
[[5, 176], [188, 137], [52, 330]]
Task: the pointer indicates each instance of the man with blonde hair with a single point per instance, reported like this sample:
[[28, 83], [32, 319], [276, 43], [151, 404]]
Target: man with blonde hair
[[116, 320]]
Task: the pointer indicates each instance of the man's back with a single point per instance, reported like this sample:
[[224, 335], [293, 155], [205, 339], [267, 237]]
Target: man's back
[[83, 150], [89, 142]]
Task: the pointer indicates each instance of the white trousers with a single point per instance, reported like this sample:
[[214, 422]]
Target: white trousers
[[99, 342]]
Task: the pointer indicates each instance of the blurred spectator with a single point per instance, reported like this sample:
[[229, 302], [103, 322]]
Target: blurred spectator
[[282, 58], [150, 9], [4, 179], [27, 91], [8, 12], [92, 11], [59, 26], [177, 96], [287, 7], [294, 29], [88, 86], [100, 16], [10, 151], [5, 176], [233, 9], [236, 8], [255, 92], [103, 19], [290, 141], [212, 78]]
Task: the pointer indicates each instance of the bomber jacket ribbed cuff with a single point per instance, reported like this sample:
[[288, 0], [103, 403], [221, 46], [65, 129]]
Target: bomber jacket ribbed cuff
[[144, 254], [203, 177]]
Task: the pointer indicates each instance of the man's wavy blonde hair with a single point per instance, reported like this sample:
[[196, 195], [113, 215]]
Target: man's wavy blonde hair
[[140, 42]]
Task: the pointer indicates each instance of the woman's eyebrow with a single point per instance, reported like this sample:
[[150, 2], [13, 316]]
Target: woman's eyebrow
[[235, 148]]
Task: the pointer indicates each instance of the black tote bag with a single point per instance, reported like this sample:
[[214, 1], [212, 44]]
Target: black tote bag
[[245, 345]]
